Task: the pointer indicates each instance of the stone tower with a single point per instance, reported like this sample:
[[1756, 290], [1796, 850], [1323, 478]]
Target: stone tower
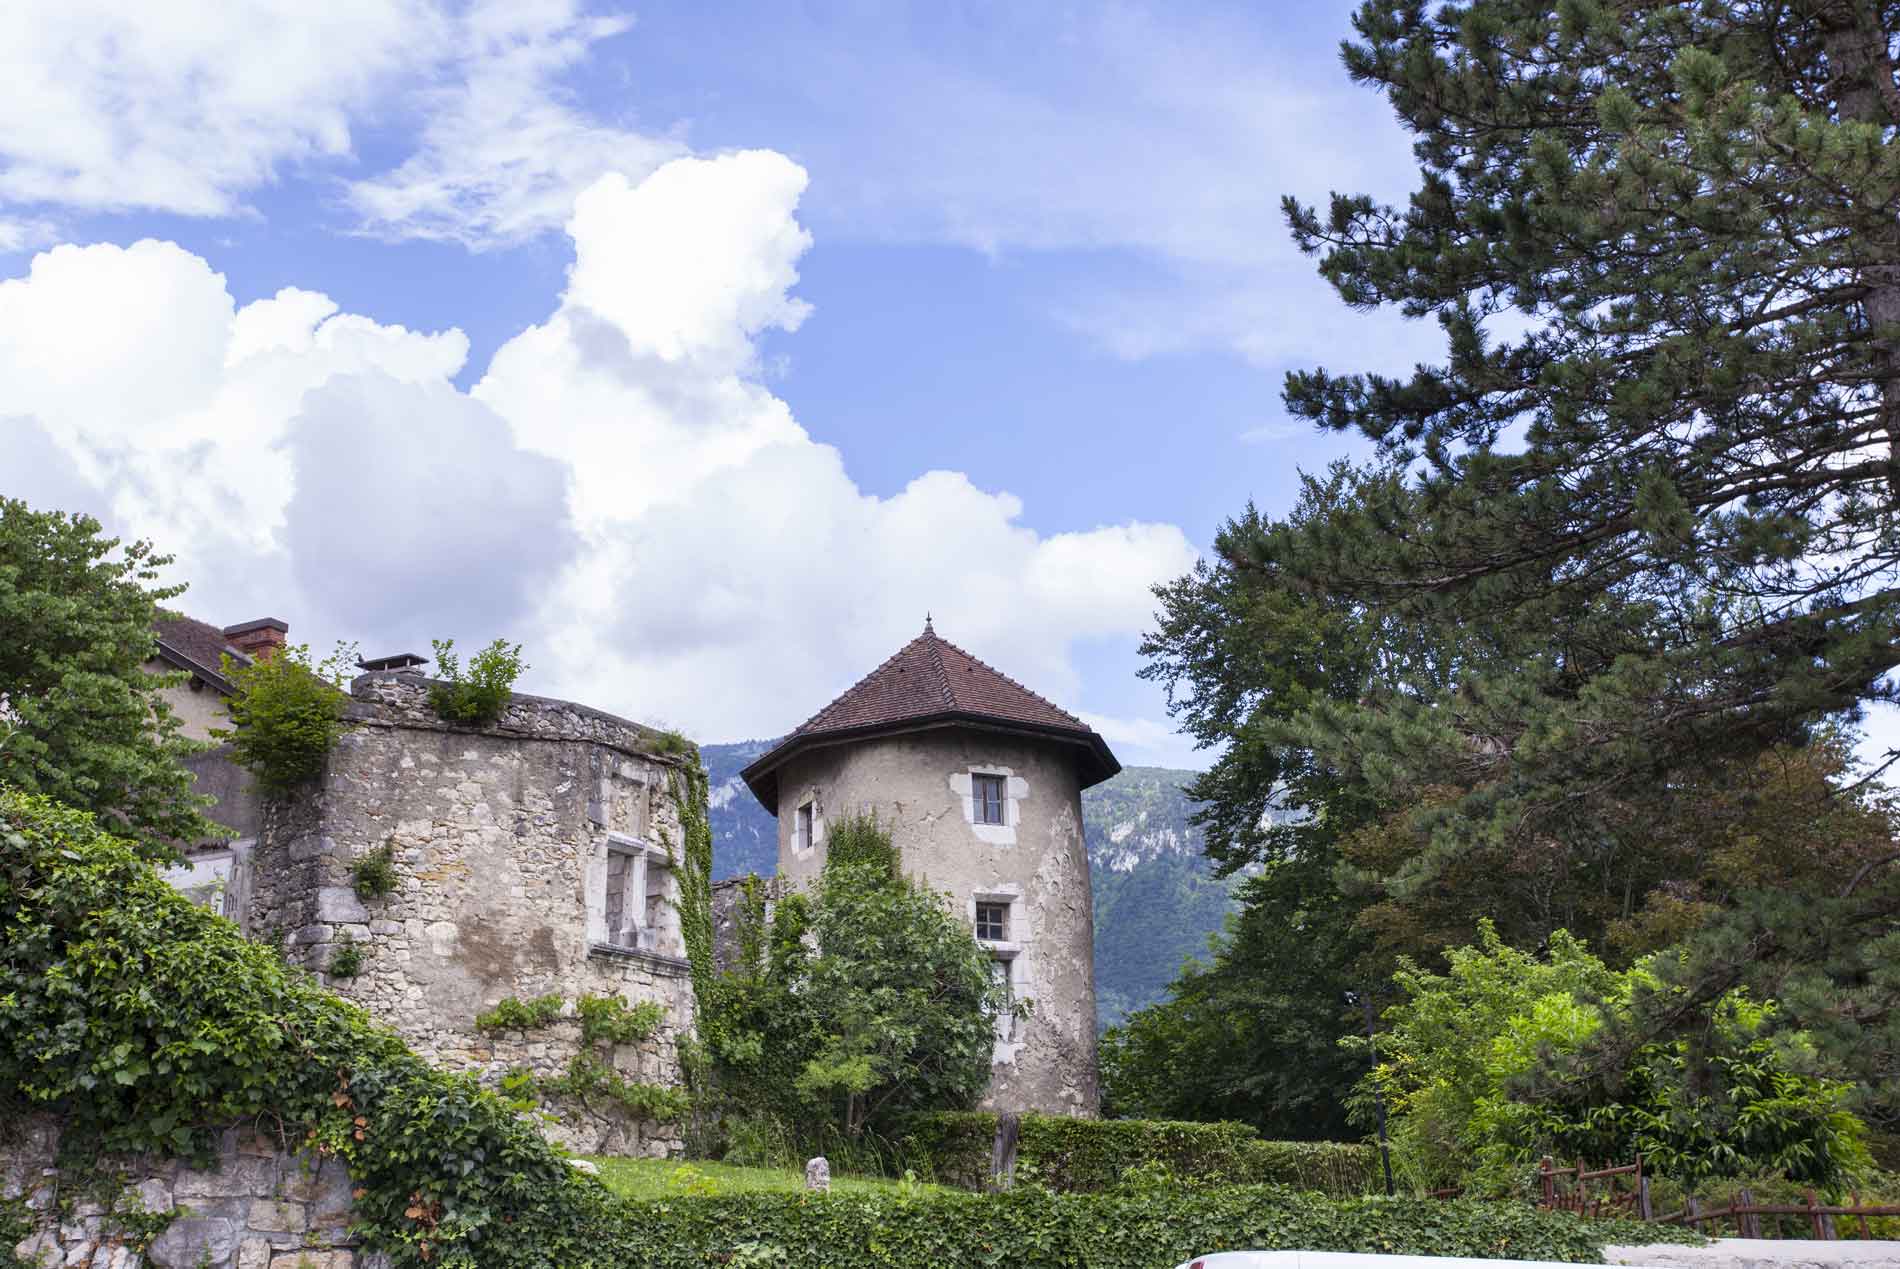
[[980, 782]]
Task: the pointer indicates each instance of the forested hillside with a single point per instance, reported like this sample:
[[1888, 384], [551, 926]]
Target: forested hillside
[[1156, 899]]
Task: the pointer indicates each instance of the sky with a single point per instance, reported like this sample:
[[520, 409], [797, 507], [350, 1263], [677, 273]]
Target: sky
[[701, 348]]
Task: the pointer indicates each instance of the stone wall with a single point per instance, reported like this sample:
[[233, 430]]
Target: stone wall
[[262, 1207], [500, 840], [919, 785]]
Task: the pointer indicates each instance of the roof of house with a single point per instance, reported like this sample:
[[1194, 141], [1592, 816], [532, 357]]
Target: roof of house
[[196, 646], [931, 682]]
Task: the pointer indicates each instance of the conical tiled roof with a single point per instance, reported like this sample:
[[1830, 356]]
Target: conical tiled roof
[[931, 682]]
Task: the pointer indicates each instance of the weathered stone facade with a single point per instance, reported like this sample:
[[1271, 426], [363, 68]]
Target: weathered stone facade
[[262, 1207], [532, 857], [919, 784]]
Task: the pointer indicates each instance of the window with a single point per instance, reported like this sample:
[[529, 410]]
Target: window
[[1002, 973], [803, 829], [987, 792], [992, 922], [635, 900]]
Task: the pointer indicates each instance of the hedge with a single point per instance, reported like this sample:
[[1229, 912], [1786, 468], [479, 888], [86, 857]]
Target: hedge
[[1091, 1154], [1155, 1226]]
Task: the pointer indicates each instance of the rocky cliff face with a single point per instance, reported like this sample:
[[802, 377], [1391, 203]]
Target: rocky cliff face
[[1156, 898]]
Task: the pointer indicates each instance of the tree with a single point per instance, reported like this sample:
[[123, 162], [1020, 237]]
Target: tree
[[80, 718], [864, 999], [1473, 1070], [1670, 500], [1646, 508], [1253, 1034]]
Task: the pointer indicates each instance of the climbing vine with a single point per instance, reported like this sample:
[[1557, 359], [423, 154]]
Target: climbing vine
[[694, 868]]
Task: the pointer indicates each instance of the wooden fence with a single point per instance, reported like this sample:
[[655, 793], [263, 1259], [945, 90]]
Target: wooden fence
[[1624, 1192]]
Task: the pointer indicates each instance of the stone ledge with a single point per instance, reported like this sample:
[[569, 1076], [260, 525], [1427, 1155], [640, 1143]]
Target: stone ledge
[[659, 962]]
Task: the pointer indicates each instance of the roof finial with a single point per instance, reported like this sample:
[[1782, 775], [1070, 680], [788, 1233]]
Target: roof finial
[[927, 629]]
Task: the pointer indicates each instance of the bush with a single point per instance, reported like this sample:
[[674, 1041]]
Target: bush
[[477, 698], [287, 715], [373, 874], [510, 1014], [1160, 1225], [347, 960], [1092, 1154]]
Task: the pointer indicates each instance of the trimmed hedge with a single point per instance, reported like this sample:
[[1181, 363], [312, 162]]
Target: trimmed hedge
[[1126, 1230], [1086, 1155]]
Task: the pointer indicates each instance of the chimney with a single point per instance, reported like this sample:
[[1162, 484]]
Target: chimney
[[258, 639]]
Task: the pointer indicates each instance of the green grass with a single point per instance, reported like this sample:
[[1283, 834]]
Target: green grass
[[672, 1178]]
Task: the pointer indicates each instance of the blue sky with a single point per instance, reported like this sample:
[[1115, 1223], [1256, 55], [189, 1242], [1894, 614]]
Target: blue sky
[[866, 309]]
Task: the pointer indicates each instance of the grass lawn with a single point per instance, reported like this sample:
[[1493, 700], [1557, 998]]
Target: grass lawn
[[674, 1178]]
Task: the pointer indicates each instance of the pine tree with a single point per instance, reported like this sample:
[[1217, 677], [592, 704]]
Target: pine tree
[[80, 718], [1668, 505], [1648, 502]]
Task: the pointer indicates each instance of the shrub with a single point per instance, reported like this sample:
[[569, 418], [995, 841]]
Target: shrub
[[1478, 1070], [477, 698], [611, 1020], [510, 1014], [1158, 1225], [1092, 1154], [373, 874], [287, 715], [347, 960]]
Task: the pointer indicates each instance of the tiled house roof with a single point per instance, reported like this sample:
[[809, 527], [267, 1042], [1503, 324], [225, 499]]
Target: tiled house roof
[[197, 646], [931, 682]]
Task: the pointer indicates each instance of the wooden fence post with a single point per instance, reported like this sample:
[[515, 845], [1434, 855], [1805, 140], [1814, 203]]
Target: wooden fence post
[[1550, 1185], [1865, 1232], [1642, 1192], [1003, 1151], [1748, 1224]]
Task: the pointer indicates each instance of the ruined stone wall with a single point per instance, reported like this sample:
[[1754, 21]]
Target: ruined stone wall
[[261, 1207], [500, 839], [919, 785]]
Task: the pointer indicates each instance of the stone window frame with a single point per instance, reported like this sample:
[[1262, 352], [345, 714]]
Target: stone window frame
[[1015, 791], [808, 821], [992, 915], [645, 858]]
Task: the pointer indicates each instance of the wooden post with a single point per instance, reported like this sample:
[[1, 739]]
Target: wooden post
[[1864, 1231], [1814, 1217], [1694, 1219], [1643, 1207], [1748, 1224], [1003, 1152], [1550, 1184]]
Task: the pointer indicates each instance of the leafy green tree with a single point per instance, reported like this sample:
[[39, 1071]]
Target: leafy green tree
[[287, 716], [866, 998], [80, 718], [1473, 1068], [477, 697], [1252, 1035]]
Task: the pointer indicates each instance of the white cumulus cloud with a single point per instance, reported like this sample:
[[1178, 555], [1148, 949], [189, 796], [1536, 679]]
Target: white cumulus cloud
[[618, 490]]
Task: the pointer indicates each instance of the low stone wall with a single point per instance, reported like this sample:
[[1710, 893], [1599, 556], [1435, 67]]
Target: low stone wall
[[1763, 1253], [262, 1207]]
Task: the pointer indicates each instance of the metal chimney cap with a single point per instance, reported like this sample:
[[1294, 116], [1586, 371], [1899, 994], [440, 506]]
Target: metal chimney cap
[[399, 661]]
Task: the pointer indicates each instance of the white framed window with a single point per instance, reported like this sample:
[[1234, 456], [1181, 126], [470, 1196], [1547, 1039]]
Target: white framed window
[[992, 921], [803, 827], [989, 797]]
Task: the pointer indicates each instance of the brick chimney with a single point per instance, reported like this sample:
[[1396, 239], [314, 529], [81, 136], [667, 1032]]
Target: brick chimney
[[258, 639]]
